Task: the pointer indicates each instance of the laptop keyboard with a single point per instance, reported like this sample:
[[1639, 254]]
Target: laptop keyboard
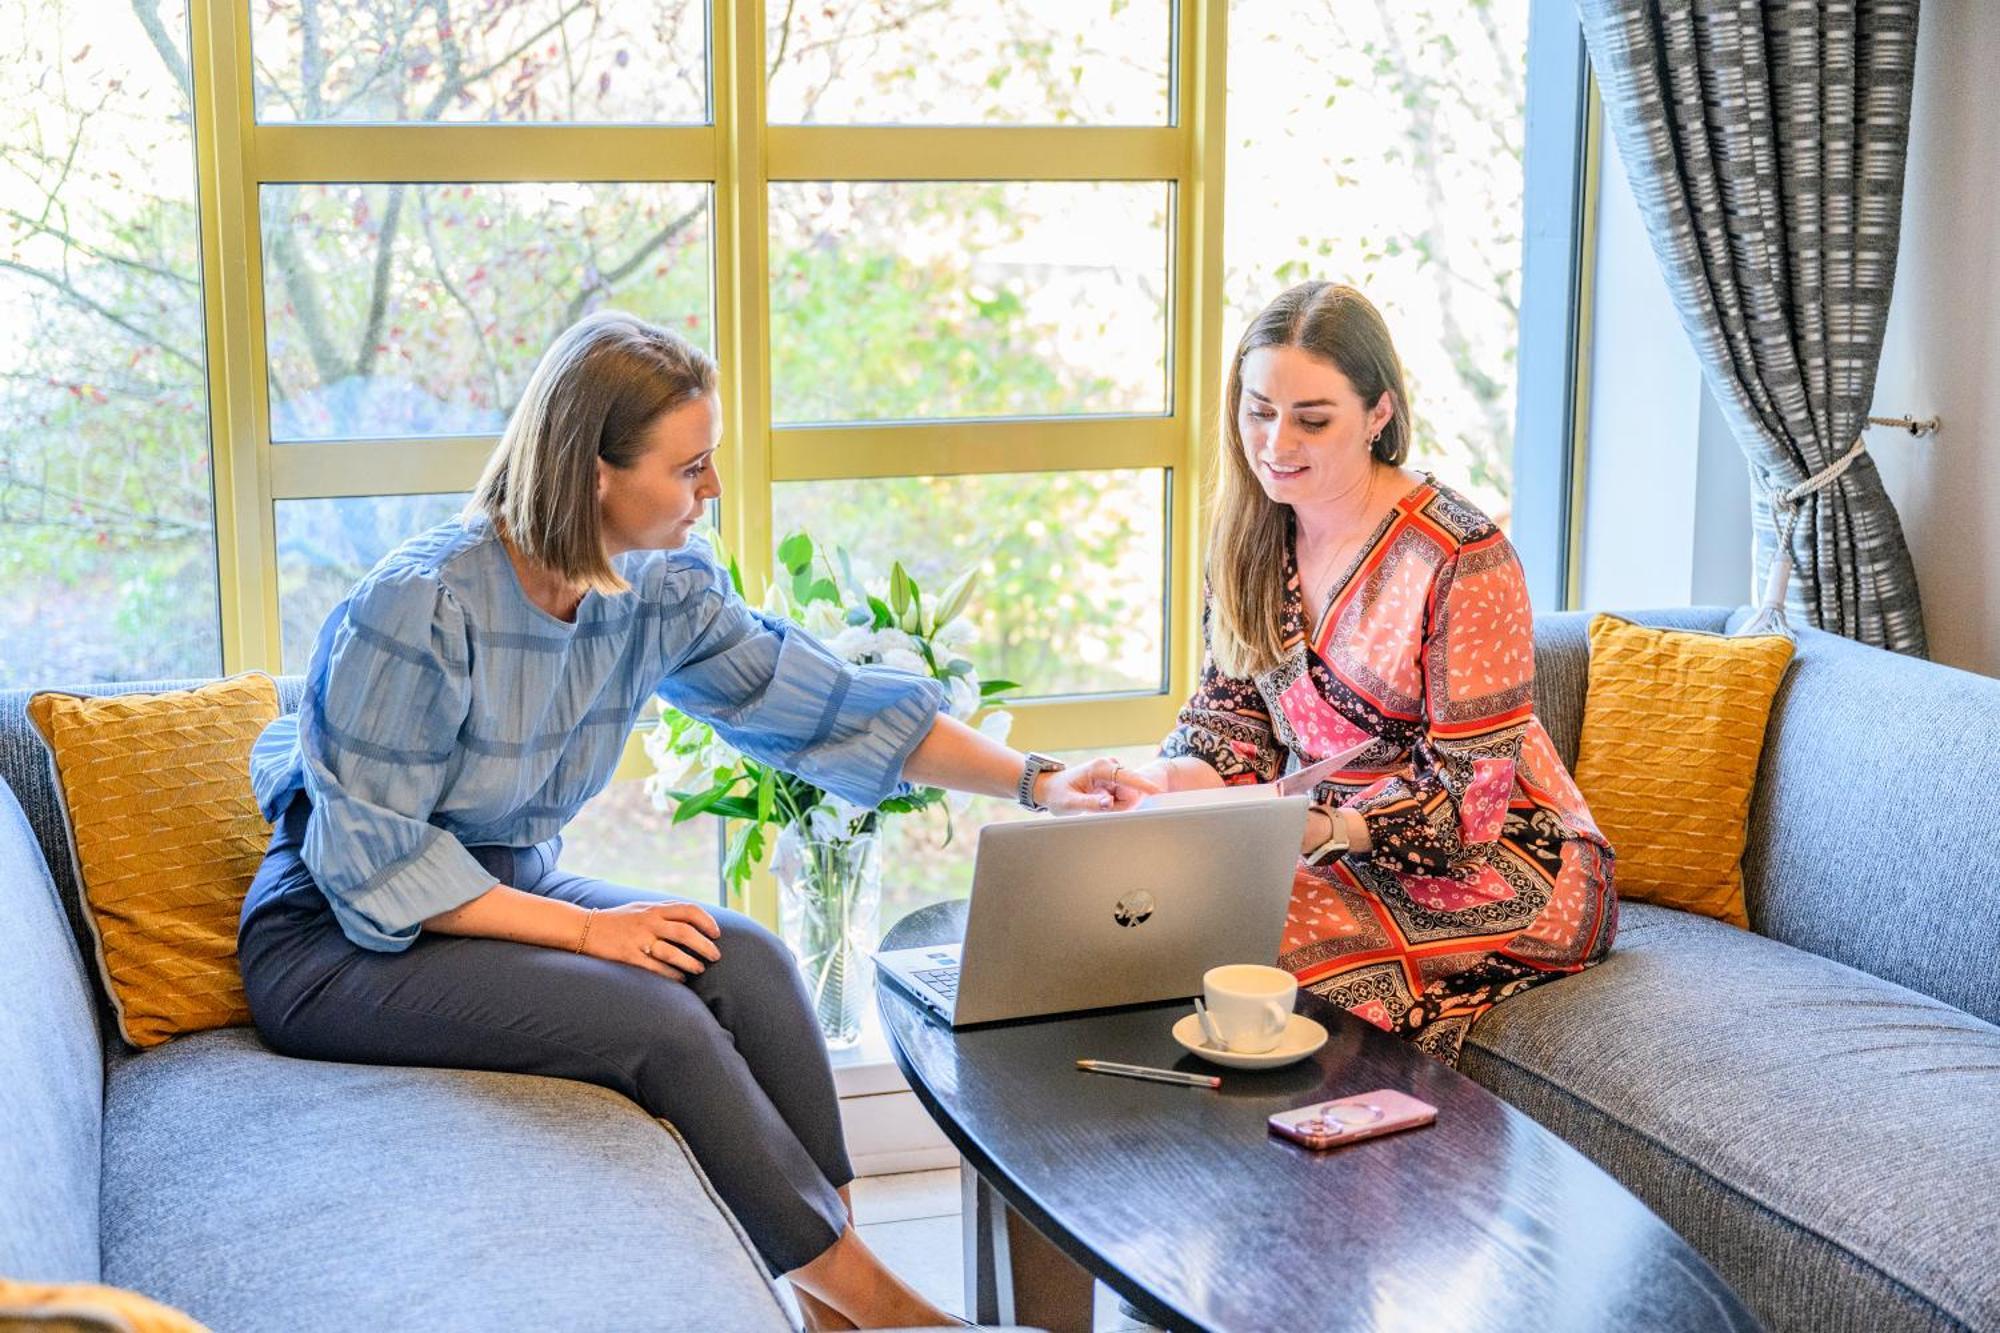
[[943, 980]]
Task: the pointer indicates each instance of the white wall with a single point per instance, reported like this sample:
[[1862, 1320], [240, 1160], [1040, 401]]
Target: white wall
[[1667, 495], [1666, 490], [1941, 354]]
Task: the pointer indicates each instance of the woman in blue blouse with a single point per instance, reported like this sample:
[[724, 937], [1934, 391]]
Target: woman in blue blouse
[[474, 690]]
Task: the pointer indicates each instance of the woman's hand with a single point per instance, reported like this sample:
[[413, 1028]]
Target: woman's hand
[[1101, 784], [675, 940]]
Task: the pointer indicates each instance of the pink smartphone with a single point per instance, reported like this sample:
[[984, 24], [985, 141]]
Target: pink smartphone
[[1366, 1115]]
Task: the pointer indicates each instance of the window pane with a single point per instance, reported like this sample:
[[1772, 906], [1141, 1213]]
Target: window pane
[[472, 60], [325, 546], [996, 62], [1391, 134], [619, 836], [895, 301], [398, 310], [918, 868], [107, 522], [1072, 585]]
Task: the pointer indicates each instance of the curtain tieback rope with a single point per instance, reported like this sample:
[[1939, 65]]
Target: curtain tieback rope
[[1786, 506]]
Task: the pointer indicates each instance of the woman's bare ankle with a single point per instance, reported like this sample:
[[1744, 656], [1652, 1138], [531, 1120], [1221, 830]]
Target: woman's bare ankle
[[850, 1282]]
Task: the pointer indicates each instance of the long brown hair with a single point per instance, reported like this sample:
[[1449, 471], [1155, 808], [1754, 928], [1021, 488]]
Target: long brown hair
[[1248, 530], [599, 387]]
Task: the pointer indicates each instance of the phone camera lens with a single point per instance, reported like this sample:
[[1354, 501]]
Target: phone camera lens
[[1354, 1113]]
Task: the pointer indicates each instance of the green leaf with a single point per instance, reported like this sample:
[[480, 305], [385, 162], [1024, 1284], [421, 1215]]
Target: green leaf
[[989, 688], [822, 590], [735, 807], [795, 553], [767, 795], [736, 576], [957, 666], [884, 617], [702, 802]]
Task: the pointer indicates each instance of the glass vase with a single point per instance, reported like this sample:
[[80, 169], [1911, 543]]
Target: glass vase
[[830, 907]]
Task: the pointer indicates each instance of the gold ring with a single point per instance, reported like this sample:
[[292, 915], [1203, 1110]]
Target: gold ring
[[647, 948]]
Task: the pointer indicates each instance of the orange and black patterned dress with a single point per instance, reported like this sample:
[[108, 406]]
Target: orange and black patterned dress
[[1485, 874]]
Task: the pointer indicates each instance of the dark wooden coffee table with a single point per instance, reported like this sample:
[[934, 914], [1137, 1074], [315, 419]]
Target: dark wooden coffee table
[[1183, 1202]]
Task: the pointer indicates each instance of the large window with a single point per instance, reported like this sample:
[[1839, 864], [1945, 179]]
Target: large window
[[964, 265]]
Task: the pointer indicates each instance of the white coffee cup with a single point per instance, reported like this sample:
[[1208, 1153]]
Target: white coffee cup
[[1250, 1004]]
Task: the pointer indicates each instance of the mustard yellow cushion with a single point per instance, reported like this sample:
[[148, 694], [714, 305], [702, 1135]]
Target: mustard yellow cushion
[[87, 1308], [1673, 725], [167, 838]]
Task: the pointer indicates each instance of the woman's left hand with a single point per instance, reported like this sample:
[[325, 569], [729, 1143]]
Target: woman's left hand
[[1100, 785]]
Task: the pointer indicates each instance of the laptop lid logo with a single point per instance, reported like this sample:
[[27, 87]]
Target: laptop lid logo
[[1133, 909]]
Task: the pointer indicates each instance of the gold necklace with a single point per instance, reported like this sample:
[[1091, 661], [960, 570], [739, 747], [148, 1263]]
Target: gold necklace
[[1316, 604]]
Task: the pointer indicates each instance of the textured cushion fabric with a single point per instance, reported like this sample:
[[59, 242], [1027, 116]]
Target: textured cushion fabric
[[1826, 1139], [1875, 831], [1673, 726], [260, 1192], [24, 766], [51, 1074], [167, 838], [87, 1307], [1562, 664]]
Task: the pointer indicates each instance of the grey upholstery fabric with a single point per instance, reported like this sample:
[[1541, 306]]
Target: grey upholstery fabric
[[1765, 144], [1875, 828], [24, 766], [1562, 664], [258, 1192], [51, 1075], [1690, 1065], [1867, 842]]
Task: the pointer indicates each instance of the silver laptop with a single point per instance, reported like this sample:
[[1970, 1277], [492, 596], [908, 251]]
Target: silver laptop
[[1102, 910]]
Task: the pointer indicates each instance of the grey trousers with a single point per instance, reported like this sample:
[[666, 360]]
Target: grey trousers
[[732, 1058]]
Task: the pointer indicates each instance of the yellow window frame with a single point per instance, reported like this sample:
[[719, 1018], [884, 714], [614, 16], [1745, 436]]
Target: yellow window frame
[[739, 155]]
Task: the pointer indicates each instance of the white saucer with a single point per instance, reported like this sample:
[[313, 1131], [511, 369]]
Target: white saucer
[[1302, 1037]]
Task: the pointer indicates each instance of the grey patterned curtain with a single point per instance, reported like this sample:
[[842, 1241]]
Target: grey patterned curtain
[[1765, 143]]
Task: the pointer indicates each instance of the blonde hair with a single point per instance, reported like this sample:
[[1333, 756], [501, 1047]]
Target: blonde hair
[[1249, 531], [596, 392]]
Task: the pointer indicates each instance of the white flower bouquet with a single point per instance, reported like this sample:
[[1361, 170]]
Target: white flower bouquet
[[894, 625]]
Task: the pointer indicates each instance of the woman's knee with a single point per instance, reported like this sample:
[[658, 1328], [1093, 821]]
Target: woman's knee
[[751, 948]]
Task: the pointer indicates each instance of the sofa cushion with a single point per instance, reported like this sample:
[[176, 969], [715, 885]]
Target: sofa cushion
[[1825, 1138], [1673, 723], [259, 1192], [24, 766], [1562, 665], [86, 1307], [168, 837], [51, 1074], [1873, 830]]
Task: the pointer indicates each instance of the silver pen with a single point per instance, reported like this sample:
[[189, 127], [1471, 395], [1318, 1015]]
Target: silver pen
[[1149, 1073]]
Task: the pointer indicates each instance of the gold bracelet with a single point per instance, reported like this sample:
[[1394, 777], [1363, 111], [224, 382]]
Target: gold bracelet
[[589, 915]]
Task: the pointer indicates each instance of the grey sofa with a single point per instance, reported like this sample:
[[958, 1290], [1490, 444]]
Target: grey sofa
[[259, 1192], [1815, 1103]]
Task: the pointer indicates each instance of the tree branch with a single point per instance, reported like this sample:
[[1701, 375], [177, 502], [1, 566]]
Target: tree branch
[[148, 14], [458, 297], [378, 293], [76, 296], [609, 278]]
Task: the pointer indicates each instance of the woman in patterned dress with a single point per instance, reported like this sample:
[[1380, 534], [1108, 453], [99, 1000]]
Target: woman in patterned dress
[[1358, 609]]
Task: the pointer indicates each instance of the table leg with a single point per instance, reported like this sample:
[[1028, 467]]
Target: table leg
[[1013, 1273]]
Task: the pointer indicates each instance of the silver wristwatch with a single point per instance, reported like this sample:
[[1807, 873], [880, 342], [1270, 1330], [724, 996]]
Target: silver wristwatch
[[1037, 765]]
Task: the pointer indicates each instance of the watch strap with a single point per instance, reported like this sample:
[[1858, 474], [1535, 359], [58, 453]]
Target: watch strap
[[1336, 842], [1036, 765]]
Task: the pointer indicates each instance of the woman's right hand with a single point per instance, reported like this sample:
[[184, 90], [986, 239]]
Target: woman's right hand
[[676, 940]]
